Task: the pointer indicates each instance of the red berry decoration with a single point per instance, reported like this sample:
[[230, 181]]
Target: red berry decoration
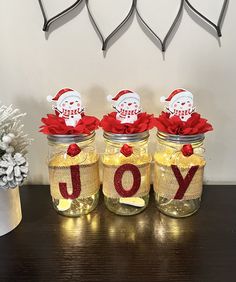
[[126, 150], [73, 150], [187, 150]]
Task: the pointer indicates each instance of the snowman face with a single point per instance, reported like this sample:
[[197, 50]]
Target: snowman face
[[70, 103], [129, 104], [182, 104]]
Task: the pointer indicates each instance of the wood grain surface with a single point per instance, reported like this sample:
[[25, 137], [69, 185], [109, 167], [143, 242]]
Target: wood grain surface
[[106, 247]]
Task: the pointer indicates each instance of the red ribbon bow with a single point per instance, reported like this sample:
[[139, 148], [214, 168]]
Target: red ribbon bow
[[126, 150], [187, 150], [73, 150]]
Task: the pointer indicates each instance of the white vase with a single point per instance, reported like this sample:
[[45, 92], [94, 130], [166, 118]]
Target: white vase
[[10, 210]]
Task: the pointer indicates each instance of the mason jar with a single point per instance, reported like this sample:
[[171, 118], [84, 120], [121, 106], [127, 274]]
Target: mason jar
[[73, 173], [126, 177], [178, 174]]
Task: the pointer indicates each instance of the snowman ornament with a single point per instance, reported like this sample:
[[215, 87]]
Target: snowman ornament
[[180, 103], [127, 105], [68, 105]]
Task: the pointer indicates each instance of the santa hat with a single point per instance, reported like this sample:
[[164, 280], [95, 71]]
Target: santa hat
[[123, 94], [176, 94], [62, 94]]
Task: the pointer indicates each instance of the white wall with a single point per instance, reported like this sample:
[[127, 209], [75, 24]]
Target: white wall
[[33, 66]]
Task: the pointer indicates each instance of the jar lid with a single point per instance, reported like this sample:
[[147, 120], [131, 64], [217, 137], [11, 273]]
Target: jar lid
[[70, 138], [135, 137], [182, 139]]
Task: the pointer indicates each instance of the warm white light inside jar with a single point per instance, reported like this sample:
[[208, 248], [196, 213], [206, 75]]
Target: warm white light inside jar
[[178, 178], [126, 179], [74, 179]]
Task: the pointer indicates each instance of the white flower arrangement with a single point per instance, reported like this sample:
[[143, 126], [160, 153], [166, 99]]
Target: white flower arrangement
[[13, 147]]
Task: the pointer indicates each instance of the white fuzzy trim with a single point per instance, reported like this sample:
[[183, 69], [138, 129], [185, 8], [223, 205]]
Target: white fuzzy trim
[[131, 95], [68, 94]]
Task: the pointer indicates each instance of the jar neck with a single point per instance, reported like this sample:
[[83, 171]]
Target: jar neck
[[141, 137], [180, 139], [70, 139]]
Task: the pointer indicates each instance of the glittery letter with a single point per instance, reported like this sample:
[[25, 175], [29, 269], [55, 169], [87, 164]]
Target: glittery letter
[[76, 185], [118, 180], [183, 182]]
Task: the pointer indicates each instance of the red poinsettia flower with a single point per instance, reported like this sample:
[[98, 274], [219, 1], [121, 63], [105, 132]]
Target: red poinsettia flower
[[174, 125], [54, 124], [144, 122]]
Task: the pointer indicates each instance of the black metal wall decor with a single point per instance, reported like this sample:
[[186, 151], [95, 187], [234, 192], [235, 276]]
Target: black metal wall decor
[[134, 9], [217, 26], [48, 22], [164, 41], [125, 20]]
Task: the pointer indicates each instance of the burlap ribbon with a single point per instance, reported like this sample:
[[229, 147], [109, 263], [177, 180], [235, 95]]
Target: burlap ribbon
[[166, 184], [169, 185], [89, 180], [127, 180]]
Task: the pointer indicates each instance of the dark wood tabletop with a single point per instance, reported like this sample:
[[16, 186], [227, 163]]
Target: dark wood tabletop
[[105, 247]]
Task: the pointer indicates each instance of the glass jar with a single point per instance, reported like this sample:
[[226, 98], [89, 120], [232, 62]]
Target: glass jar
[[126, 179], [178, 178], [73, 173]]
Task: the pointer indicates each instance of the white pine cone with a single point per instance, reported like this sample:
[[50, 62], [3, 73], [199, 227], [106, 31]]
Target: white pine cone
[[13, 170]]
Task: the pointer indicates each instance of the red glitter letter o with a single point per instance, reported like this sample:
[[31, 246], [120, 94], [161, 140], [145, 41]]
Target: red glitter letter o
[[118, 180]]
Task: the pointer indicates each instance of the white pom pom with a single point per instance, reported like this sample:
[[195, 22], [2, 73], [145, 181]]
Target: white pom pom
[[12, 135], [10, 150], [3, 146], [49, 98], [163, 99], [6, 139], [109, 98]]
